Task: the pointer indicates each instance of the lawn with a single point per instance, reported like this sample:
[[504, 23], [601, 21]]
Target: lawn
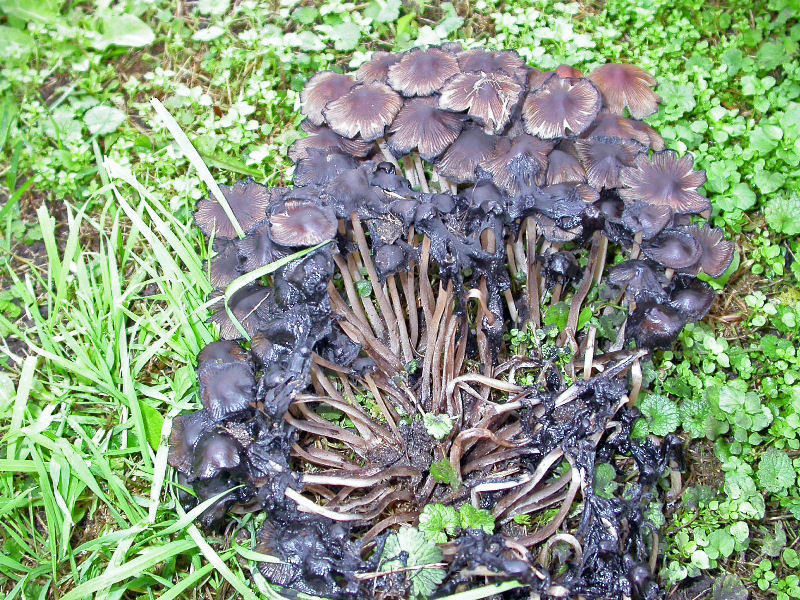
[[103, 292]]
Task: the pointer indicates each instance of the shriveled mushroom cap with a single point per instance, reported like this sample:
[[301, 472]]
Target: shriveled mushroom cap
[[674, 249], [654, 326], [610, 125], [626, 85], [665, 179], [422, 72], [561, 107], [459, 161], [248, 201], [321, 89], [247, 306], [257, 248], [224, 267], [523, 157], [717, 252], [649, 219], [223, 352], [389, 259], [226, 388], [490, 61], [553, 233], [365, 110], [186, 430], [487, 97], [563, 167], [325, 138], [692, 298], [321, 166], [421, 124], [376, 69], [638, 280], [604, 158], [215, 452], [300, 223]]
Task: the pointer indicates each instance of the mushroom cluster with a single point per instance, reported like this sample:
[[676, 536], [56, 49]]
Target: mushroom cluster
[[400, 309]]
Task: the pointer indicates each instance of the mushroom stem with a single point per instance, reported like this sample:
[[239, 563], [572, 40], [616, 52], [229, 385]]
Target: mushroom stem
[[407, 281], [423, 181], [637, 245], [533, 274], [387, 154], [378, 326], [636, 382], [553, 525], [561, 537], [468, 435], [307, 506], [589, 353], [405, 342]]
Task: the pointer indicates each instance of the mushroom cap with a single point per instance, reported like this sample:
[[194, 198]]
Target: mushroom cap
[[563, 167], [649, 219], [604, 158], [389, 259], [665, 179], [654, 325], [459, 161], [490, 61], [674, 249], [626, 85], [216, 451], [366, 110], [223, 352], [638, 279], [553, 233], [421, 124], [225, 266], [717, 252], [487, 97], [513, 162], [301, 223], [247, 306], [611, 206], [610, 125], [321, 166], [248, 201], [257, 248], [692, 298], [385, 177], [321, 89], [376, 69], [186, 430], [226, 388], [325, 138], [562, 106], [422, 72], [566, 71]]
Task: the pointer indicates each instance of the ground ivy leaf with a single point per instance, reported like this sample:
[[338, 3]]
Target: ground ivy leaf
[[438, 426], [443, 472], [124, 30], [781, 214], [346, 36], [661, 414], [476, 518], [775, 471], [729, 587], [207, 34], [102, 120], [437, 521], [420, 552]]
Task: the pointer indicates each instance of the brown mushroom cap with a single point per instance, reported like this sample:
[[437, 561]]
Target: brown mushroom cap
[[665, 179], [626, 85], [654, 325], [609, 125], [223, 352], [638, 279], [564, 167], [226, 388], [324, 138], [692, 298], [247, 306], [224, 267], [248, 201], [566, 71], [300, 223], [421, 124], [674, 249], [717, 252], [366, 110], [422, 72], [553, 233], [490, 61], [604, 158], [216, 451], [320, 166], [524, 155], [562, 106], [649, 219], [459, 161], [487, 97], [376, 69], [186, 430], [321, 89]]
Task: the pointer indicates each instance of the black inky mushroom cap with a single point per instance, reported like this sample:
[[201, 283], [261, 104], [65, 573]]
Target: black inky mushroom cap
[[563, 167], [487, 97], [376, 69], [186, 430], [422, 72], [626, 85], [321, 166], [365, 110], [674, 249], [561, 106], [665, 179], [421, 124], [248, 305], [224, 267], [490, 61], [226, 389], [248, 201], [638, 279], [223, 352], [649, 219], [325, 138], [301, 223], [216, 451], [654, 326], [459, 161], [604, 158], [511, 161], [321, 89], [691, 297], [717, 252]]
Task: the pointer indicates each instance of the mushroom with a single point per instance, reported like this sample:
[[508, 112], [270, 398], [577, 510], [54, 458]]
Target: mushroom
[[654, 326], [300, 223], [674, 249], [422, 72], [626, 85], [717, 252], [561, 107], [321, 166], [376, 69], [421, 124], [563, 167], [491, 61], [248, 201], [365, 110], [186, 430], [665, 179], [459, 161], [515, 162], [248, 306], [321, 89], [487, 97], [638, 279], [226, 388], [224, 267], [216, 451], [691, 297], [325, 138], [604, 158], [647, 219], [610, 125]]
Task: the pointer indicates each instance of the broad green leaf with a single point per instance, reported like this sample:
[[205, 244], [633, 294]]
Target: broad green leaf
[[420, 552], [782, 214], [476, 518], [661, 414], [775, 471], [16, 44], [438, 426], [437, 521], [153, 423], [124, 30], [102, 120]]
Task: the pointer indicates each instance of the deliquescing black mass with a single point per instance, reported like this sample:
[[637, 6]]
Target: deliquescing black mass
[[458, 195]]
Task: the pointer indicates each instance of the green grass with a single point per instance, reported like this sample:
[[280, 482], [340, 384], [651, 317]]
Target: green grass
[[103, 295]]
